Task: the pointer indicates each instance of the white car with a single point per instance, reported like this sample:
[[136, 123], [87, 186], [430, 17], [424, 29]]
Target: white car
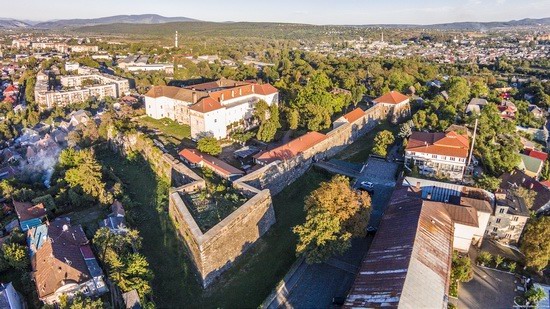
[[367, 186]]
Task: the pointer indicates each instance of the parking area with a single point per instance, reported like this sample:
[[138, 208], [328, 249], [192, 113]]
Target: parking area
[[489, 289], [382, 174]]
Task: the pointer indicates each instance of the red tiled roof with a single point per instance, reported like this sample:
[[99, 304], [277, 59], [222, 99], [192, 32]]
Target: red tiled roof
[[392, 97], [28, 211], [447, 144], [537, 154], [10, 88], [206, 105], [354, 115], [291, 149], [194, 156], [546, 183]]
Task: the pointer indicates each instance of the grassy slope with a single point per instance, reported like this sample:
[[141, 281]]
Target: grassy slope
[[168, 127], [252, 277], [359, 151]]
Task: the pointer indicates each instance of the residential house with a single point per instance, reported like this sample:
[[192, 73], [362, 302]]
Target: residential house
[[396, 104], [9, 297], [8, 172], [441, 154], [531, 166], [536, 154], [116, 221], [131, 300], [213, 108], [63, 262], [509, 218], [470, 208], [291, 149], [29, 215], [536, 111], [196, 158], [507, 110], [476, 105], [408, 264], [78, 118], [518, 178]]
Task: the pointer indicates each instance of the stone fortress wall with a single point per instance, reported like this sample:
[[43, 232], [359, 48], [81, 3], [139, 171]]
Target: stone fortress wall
[[214, 251]]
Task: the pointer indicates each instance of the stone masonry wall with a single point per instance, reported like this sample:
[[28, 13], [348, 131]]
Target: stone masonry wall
[[279, 174], [214, 251]]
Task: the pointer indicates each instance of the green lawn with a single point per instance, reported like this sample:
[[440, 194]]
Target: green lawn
[[175, 284], [359, 151], [168, 127]]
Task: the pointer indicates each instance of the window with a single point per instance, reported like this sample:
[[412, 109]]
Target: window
[[512, 228], [495, 229], [501, 210], [516, 218], [453, 159], [498, 220], [434, 156], [508, 236]]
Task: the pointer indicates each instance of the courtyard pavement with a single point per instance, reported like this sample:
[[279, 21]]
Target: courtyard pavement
[[489, 289]]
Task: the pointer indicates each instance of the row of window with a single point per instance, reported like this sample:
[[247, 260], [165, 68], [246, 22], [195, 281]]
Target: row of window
[[443, 157]]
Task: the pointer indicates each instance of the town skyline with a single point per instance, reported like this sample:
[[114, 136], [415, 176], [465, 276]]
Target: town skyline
[[349, 12]]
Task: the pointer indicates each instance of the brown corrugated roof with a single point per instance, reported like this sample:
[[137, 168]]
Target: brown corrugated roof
[[59, 261], [291, 149], [28, 211], [409, 261], [392, 97], [446, 144]]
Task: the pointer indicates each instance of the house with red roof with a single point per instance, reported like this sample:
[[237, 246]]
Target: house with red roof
[[442, 153], [195, 158], [29, 215], [397, 103], [210, 108], [536, 154], [291, 149]]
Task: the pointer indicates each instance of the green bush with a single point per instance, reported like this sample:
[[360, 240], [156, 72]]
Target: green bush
[[484, 258]]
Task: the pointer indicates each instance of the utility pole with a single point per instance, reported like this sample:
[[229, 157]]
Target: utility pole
[[176, 43], [471, 150]]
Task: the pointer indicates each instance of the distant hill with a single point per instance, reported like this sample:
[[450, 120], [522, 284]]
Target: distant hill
[[12, 24], [119, 19], [527, 22]]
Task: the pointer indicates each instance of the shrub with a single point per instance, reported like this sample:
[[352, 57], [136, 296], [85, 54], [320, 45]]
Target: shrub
[[484, 258]]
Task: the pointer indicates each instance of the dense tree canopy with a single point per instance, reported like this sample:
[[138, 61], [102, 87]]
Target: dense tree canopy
[[335, 214], [535, 243], [209, 145]]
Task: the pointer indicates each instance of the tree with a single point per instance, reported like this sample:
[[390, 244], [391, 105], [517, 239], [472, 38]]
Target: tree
[[335, 214], [268, 127], [382, 140], [84, 172], [498, 260], [488, 183], [406, 129], [534, 295], [293, 118], [80, 302], [458, 90], [527, 195], [536, 243], [209, 145], [15, 255], [461, 270]]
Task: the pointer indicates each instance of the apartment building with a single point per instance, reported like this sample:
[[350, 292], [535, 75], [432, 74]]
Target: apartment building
[[76, 90], [212, 108], [438, 154], [510, 216]]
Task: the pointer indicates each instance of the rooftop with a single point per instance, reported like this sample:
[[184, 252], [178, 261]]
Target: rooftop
[[291, 149], [392, 97], [28, 211], [446, 144]]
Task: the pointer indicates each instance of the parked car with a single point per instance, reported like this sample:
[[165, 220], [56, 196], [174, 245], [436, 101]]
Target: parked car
[[367, 186], [371, 230]]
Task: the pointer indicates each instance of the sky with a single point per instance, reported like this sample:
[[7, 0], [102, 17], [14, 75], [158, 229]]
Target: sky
[[346, 12]]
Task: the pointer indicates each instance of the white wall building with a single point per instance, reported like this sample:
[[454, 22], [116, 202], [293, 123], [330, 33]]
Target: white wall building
[[212, 108], [441, 154]]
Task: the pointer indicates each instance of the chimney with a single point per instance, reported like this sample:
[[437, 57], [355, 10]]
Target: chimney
[[194, 97], [240, 91], [531, 185], [222, 97], [252, 87], [232, 93]]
